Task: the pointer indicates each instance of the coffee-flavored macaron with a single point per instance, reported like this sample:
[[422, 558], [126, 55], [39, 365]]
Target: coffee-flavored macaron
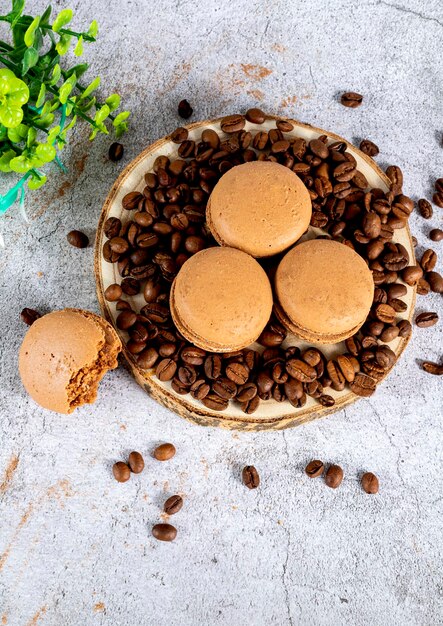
[[260, 207], [323, 291], [221, 299], [64, 356]]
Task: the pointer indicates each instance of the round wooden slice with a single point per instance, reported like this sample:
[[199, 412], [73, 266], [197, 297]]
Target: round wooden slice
[[270, 415]]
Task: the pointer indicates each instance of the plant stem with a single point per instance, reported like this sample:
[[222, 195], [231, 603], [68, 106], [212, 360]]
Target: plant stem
[[63, 31]]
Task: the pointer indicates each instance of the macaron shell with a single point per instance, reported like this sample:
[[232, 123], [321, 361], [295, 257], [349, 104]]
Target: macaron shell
[[325, 288], [61, 353], [221, 299], [259, 207]]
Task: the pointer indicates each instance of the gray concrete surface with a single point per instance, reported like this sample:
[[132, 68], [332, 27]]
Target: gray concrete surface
[[75, 547]]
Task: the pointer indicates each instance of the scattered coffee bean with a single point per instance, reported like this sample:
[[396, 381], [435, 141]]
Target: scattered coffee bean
[[136, 462], [351, 99], [412, 274], [164, 532], [232, 123], [77, 239], [369, 483], [437, 199], [115, 151], [180, 134], [164, 452], [428, 260], [255, 116], [369, 148], [29, 316], [435, 281], [425, 209], [436, 234], [314, 469], [432, 368], [424, 320], [334, 476], [184, 109], [173, 505], [250, 477], [121, 472]]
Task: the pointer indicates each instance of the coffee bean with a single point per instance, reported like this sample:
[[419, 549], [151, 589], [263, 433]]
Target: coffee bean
[[412, 274], [184, 109], [77, 239], [284, 126], [404, 328], [156, 313], [194, 244], [225, 388], [130, 286], [187, 374], [363, 385], [113, 293], [397, 291], [326, 400], [200, 389], [425, 209], [351, 99], [428, 260], [237, 372], [369, 483], [437, 199], [215, 402], [118, 245], [136, 462], [389, 334], [338, 380], [173, 505], [435, 281], [334, 476], [384, 313], [121, 472], [314, 469], [423, 287], [166, 369], [193, 355], [131, 200], [250, 406], [250, 476], [147, 358], [180, 134], [29, 316], [115, 151], [164, 532], [232, 123], [369, 148], [126, 319], [395, 175], [371, 225], [432, 368], [346, 367], [425, 320], [436, 234], [398, 305], [255, 116], [300, 370], [246, 392], [112, 227], [164, 452]]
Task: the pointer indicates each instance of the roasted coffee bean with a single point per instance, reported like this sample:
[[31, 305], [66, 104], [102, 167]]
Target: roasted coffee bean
[[432, 368], [246, 392], [346, 367], [314, 468], [435, 281], [184, 109], [29, 316], [344, 172], [166, 369], [423, 287], [179, 135], [136, 462], [300, 370], [193, 355], [371, 225], [414, 241], [232, 123], [115, 151], [194, 244], [397, 291], [255, 116], [225, 388], [279, 374], [164, 532], [250, 406], [173, 505], [338, 380], [395, 175], [121, 472], [273, 335], [112, 227], [213, 366], [187, 374], [147, 358], [118, 245], [237, 372], [437, 199], [164, 452], [384, 313], [77, 239], [284, 126], [200, 389], [326, 400], [389, 334], [428, 260], [113, 293], [368, 342], [131, 200], [385, 357], [425, 209], [404, 328], [312, 356], [424, 320], [214, 402], [369, 483], [436, 234], [369, 148], [126, 319], [250, 476], [353, 345], [122, 305], [167, 349], [334, 476], [280, 146], [395, 261], [351, 99], [130, 286], [412, 274], [293, 389], [363, 385], [398, 305]]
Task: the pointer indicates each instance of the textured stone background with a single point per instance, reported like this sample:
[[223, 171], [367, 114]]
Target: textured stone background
[[75, 547]]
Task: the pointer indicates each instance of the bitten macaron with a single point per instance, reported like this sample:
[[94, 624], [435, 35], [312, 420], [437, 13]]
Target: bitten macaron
[[221, 299], [260, 207], [323, 291], [64, 356]]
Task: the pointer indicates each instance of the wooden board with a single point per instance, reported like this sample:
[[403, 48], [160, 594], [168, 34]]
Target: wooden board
[[271, 414]]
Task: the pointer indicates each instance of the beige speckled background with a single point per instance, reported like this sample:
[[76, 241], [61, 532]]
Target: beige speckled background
[[75, 547]]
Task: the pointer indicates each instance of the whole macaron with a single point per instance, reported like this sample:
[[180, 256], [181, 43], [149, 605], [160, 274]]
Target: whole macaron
[[64, 356], [221, 299], [324, 291], [259, 207]]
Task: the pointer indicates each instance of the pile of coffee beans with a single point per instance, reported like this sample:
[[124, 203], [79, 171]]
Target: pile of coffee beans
[[122, 471], [334, 476], [166, 225]]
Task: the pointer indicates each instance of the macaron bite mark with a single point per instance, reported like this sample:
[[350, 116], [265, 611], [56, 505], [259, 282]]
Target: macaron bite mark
[[221, 299], [259, 207]]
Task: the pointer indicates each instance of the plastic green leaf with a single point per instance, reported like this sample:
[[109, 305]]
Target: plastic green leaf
[[20, 164], [63, 18], [47, 120], [56, 73], [17, 134], [86, 106], [121, 129], [45, 152], [30, 59], [5, 158], [121, 117], [41, 96], [17, 10], [32, 136], [90, 88], [52, 135], [63, 45], [102, 114], [14, 93], [101, 129], [113, 101], [78, 50], [3, 132], [79, 69], [64, 92], [35, 182], [93, 29], [46, 15], [38, 39], [30, 33], [70, 125]]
